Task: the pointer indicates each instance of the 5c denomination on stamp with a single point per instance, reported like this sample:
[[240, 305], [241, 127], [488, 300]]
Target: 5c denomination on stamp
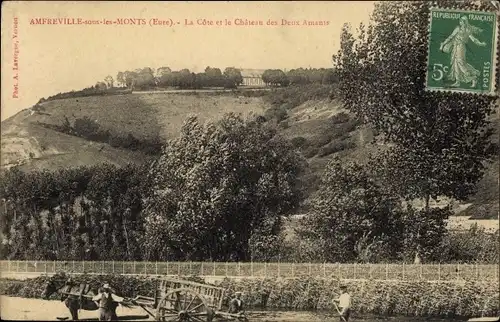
[[462, 52]]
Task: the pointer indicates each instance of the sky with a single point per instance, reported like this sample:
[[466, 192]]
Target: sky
[[53, 58]]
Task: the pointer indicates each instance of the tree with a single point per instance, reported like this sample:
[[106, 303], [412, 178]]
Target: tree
[[145, 78], [130, 78], [101, 86], [162, 76], [218, 186], [233, 77], [275, 77], [439, 140], [120, 79], [353, 216], [109, 81]]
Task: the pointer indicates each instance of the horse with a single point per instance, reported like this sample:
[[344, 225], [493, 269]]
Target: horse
[[83, 301]]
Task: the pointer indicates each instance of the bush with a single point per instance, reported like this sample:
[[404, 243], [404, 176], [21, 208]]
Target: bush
[[277, 113], [473, 245], [321, 140], [298, 141], [310, 152], [340, 118], [334, 147]]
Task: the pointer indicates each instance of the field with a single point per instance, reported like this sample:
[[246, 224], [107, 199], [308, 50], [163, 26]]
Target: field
[[26, 141]]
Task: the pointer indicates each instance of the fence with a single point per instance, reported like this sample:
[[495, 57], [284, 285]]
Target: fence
[[429, 272]]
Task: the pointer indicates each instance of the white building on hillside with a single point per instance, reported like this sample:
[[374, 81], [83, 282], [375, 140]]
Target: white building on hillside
[[252, 77]]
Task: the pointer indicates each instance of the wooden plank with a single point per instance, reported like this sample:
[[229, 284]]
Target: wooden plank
[[149, 312]]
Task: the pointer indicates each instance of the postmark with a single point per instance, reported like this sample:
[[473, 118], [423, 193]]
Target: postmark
[[462, 51]]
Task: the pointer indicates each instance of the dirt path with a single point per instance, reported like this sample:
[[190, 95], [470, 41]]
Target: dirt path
[[16, 308]]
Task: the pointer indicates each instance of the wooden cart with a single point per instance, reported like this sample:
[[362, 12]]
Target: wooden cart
[[179, 300]]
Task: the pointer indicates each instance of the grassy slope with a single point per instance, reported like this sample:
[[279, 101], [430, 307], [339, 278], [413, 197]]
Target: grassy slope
[[149, 115], [144, 116]]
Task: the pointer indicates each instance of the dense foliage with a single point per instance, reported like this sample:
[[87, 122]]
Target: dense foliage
[[354, 217], [80, 213], [220, 190], [440, 141], [376, 297], [90, 129]]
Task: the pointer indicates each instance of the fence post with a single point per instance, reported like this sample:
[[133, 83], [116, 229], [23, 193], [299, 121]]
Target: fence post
[[190, 268], [10, 268], [421, 268], [167, 268], [178, 268], [239, 268], [279, 269], [458, 271], [324, 269], [133, 268], [309, 269], [227, 264], [214, 269], [54, 267], [251, 268], [26, 267], [293, 271], [439, 271], [403, 271], [386, 271], [355, 266], [45, 264], [477, 271], [156, 267], [102, 267], [202, 271], [265, 269], [113, 266], [339, 273], [123, 268]]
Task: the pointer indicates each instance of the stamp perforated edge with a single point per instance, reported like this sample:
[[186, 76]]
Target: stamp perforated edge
[[496, 70]]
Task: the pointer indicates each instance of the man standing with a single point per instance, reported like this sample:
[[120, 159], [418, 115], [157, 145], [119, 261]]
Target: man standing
[[107, 303], [236, 304], [344, 301]]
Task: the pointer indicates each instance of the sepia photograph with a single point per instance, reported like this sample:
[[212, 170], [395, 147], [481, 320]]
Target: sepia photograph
[[250, 161]]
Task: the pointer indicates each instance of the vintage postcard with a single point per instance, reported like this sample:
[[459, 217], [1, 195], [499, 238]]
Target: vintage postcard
[[254, 161]]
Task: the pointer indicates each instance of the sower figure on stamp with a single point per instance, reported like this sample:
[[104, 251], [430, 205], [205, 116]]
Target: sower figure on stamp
[[107, 303], [344, 306], [455, 44]]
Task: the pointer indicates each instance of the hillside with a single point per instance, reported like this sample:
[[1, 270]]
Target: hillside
[[319, 127]]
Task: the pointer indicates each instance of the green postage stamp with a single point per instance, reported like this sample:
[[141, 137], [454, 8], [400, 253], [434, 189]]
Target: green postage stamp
[[462, 52]]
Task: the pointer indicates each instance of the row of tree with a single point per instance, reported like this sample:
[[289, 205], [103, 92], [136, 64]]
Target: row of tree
[[147, 78], [300, 76]]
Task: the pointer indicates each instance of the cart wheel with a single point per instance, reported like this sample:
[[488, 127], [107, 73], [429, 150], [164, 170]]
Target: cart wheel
[[183, 305]]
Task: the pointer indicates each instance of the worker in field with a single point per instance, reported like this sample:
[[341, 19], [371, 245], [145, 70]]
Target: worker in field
[[344, 304], [108, 302], [236, 304]]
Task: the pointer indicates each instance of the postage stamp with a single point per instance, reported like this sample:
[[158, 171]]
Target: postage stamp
[[462, 52]]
